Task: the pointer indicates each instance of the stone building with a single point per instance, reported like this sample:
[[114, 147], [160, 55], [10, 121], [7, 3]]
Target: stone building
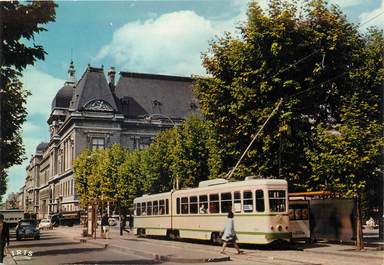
[[95, 113]]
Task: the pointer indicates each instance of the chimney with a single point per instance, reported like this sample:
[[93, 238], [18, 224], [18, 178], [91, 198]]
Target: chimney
[[111, 78]]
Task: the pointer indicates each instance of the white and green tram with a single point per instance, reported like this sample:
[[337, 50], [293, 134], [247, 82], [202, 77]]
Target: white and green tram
[[260, 207]]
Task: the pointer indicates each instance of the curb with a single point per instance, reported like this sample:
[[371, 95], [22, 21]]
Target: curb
[[158, 257]]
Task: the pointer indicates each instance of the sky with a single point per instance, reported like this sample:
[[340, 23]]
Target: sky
[[160, 36]]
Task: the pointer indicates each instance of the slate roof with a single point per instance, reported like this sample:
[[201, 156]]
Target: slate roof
[[143, 94], [63, 97], [41, 147], [92, 86]]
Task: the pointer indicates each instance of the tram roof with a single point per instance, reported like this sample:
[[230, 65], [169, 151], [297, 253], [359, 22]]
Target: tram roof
[[244, 183]]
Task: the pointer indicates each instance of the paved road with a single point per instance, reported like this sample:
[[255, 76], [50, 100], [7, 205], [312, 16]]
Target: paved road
[[54, 248]]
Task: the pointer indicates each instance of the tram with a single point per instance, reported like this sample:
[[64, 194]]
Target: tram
[[260, 207]]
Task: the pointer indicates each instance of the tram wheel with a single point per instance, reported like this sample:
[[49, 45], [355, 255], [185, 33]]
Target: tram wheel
[[173, 234], [216, 238], [141, 232]]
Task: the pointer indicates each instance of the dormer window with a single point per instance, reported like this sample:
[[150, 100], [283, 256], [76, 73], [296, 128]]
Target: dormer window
[[156, 103], [98, 105]]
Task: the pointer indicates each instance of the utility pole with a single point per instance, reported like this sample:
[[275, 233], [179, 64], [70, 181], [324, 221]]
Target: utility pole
[[359, 230], [2, 83], [381, 182]]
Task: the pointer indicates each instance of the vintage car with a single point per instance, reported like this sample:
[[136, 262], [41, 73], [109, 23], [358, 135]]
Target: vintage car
[[27, 228]]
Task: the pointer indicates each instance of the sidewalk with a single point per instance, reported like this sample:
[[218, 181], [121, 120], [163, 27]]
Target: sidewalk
[[8, 260], [374, 250]]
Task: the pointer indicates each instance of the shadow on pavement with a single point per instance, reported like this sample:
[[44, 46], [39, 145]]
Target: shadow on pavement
[[277, 245], [55, 252], [34, 240], [45, 244], [116, 262]]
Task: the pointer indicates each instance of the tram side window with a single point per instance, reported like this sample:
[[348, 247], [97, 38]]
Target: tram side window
[[247, 201], [298, 212], [193, 208], [138, 209], [155, 208], [214, 204], [184, 205], [178, 205], [277, 200], [203, 201], [161, 207], [143, 208], [226, 202], [259, 196], [149, 208], [166, 206], [237, 202]]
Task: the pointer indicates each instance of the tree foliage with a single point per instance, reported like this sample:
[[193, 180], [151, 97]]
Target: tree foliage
[[12, 201], [188, 154], [314, 59], [19, 24], [350, 161]]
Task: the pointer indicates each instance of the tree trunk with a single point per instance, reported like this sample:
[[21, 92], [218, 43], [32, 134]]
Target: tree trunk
[[381, 183], [359, 231]]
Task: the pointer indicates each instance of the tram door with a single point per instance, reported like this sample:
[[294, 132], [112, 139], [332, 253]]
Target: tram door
[[299, 223]]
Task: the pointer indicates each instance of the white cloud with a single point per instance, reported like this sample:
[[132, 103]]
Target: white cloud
[[43, 88], [35, 130], [374, 17], [171, 43]]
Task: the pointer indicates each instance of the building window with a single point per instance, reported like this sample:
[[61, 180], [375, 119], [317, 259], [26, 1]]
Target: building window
[[98, 143]]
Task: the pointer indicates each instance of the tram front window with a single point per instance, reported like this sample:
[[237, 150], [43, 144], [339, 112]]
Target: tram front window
[[277, 200]]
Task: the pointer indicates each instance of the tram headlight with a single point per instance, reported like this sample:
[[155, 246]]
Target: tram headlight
[[272, 227], [280, 228], [286, 228]]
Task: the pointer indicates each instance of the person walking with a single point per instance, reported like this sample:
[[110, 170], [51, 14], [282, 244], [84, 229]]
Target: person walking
[[4, 237], [130, 221], [123, 223], [229, 235], [105, 226]]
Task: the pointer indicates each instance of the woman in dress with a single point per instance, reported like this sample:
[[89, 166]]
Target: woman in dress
[[229, 235]]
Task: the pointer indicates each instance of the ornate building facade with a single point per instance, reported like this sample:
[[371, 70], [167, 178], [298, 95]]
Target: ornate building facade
[[95, 113]]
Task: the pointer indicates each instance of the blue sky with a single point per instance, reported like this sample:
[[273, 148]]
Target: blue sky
[[138, 36]]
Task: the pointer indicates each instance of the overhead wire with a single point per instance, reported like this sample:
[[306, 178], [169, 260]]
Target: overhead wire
[[294, 95]]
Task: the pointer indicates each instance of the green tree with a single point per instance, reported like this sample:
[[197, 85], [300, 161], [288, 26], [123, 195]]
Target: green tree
[[348, 160], [195, 156], [299, 55], [82, 167], [19, 24]]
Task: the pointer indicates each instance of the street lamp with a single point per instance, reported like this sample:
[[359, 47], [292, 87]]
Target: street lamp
[[149, 119]]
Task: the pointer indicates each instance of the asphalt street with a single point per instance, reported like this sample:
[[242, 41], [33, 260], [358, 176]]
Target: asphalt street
[[54, 248]]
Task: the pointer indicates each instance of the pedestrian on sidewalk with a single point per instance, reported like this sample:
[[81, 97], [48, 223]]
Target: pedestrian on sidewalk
[[105, 226], [4, 237], [130, 221], [123, 222], [229, 235]]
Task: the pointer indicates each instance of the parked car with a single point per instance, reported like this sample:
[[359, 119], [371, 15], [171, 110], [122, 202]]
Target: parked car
[[45, 224], [27, 228]]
